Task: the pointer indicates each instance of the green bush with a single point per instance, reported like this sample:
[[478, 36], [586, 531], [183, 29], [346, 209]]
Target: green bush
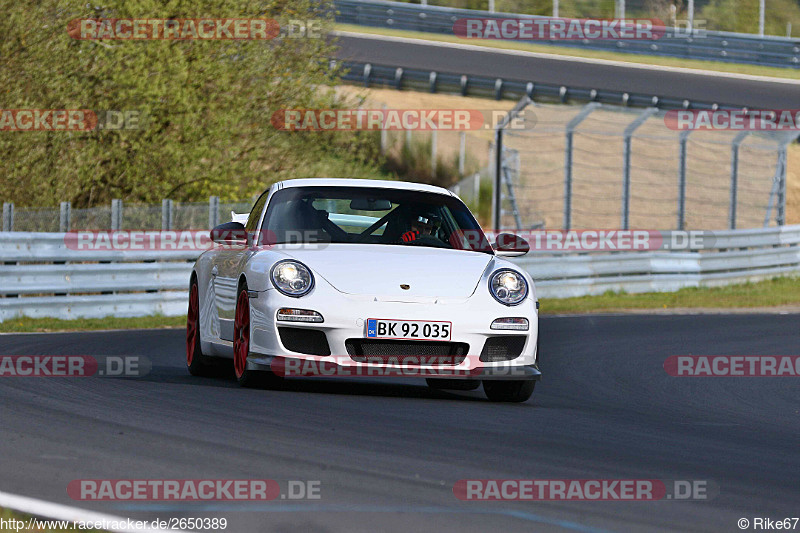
[[742, 16], [207, 105]]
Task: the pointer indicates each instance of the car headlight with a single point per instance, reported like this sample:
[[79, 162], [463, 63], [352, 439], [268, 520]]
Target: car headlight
[[292, 278], [508, 287]]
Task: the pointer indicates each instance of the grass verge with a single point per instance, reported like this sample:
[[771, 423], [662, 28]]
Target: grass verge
[[771, 293], [26, 324], [753, 70], [777, 292]]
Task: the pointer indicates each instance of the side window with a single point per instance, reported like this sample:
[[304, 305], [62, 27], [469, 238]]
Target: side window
[[255, 214]]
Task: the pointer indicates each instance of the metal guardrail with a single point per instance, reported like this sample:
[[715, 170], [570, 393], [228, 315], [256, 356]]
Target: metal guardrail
[[736, 256], [368, 75], [41, 277], [708, 45]]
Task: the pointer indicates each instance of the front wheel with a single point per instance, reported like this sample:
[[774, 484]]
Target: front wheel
[[241, 340], [509, 391], [241, 346]]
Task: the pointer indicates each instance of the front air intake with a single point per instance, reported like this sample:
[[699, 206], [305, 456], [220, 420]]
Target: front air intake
[[304, 340], [503, 348]]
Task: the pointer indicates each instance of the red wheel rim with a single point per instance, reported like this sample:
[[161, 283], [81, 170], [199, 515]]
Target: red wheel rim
[[191, 324], [241, 334]]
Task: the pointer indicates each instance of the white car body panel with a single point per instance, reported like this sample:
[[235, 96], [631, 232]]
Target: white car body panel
[[354, 282]]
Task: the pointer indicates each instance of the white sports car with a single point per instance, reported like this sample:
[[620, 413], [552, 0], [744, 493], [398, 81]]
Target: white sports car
[[354, 274]]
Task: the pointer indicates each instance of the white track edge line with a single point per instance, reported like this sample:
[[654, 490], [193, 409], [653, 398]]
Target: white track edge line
[[568, 58], [55, 511]]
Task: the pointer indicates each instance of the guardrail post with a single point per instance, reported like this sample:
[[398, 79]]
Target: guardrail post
[[367, 72], [464, 84], [432, 81], [65, 216], [498, 89], [682, 139], [571, 126], [166, 214], [213, 212], [626, 169], [8, 216], [116, 215], [737, 142], [398, 78]]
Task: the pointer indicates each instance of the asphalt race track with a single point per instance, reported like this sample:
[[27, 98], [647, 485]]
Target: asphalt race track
[[711, 88], [388, 452]]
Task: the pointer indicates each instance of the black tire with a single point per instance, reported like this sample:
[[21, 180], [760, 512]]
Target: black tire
[[197, 363], [509, 391], [452, 384], [241, 347]]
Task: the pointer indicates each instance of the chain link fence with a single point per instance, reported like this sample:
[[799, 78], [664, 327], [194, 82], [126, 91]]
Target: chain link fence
[[601, 166], [122, 216]]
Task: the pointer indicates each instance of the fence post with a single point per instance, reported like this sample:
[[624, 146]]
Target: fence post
[[166, 214], [497, 194], [116, 215], [462, 152], [778, 192], [682, 139], [213, 212], [65, 216], [571, 126], [780, 216], [384, 134], [476, 188], [737, 142], [626, 169], [434, 138], [8, 216]]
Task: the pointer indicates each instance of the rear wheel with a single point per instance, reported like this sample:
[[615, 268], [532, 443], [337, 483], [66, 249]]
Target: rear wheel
[[509, 391], [196, 362]]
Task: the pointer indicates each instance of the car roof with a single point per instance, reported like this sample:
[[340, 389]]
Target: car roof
[[353, 182]]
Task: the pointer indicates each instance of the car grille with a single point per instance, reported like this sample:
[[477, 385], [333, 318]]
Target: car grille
[[305, 340], [424, 353], [503, 348]]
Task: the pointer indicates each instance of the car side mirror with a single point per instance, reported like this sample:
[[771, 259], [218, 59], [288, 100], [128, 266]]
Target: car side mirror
[[510, 245], [229, 233]]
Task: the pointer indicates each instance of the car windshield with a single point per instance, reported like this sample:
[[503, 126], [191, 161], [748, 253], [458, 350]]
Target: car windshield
[[371, 215]]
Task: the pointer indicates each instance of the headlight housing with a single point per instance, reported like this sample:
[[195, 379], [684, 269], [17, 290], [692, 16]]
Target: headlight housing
[[508, 286], [292, 278]]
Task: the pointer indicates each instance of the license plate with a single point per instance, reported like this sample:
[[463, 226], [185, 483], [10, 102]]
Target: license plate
[[429, 330]]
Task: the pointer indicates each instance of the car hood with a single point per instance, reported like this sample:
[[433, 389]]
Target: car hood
[[380, 270]]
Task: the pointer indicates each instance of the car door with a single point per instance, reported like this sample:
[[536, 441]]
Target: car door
[[225, 270]]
